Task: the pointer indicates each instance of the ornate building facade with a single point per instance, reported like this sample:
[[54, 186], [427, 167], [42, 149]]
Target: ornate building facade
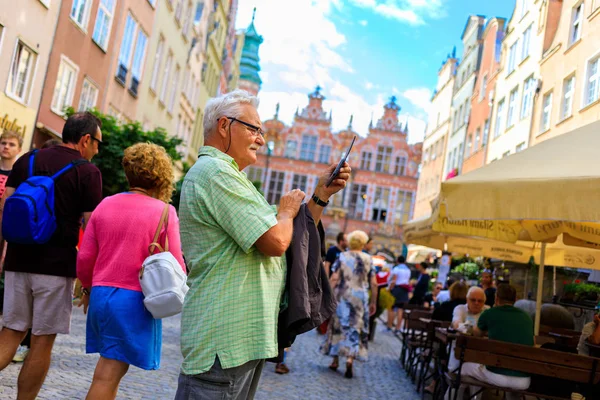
[[380, 195]]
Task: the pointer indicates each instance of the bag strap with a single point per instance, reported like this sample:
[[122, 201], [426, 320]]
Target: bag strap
[[67, 167], [164, 221], [31, 162]]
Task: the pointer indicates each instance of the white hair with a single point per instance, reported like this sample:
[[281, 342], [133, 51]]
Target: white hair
[[357, 240], [227, 105], [476, 289]]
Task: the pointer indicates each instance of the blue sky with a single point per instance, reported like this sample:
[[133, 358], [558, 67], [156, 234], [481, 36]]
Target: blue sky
[[360, 51]]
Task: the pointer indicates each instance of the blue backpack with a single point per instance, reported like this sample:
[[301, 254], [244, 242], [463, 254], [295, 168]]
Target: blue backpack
[[28, 216]]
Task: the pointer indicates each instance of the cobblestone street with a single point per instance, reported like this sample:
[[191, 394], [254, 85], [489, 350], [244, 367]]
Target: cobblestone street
[[71, 371]]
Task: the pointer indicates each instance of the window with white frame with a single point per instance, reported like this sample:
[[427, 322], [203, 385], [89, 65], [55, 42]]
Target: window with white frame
[[104, 20], [476, 142], [157, 61], [400, 168], [365, 160], [358, 198], [593, 76], [300, 182], [512, 57], [546, 112], [486, 132], [455, 120], [80, 12], [65, 85], [89, 96], [275, 187], [308, 149], [254, 173], [186, 84], [528, 92], [499, 119], [174, 85], [469, 145], [380, 204], [138, 61], [403, 207], [127, 43], [291, 149], [461, 116], [567, 99], [506, 154], [520, 147], [383, 159], [524, 7], [325, 154], [526, 42], [178, 10], [483, 88], [21, 72], [165, 79], [188, 21], [512, 107], [576, 22]]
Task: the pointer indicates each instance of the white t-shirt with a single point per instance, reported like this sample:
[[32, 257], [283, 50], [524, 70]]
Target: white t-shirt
[[402, 274]]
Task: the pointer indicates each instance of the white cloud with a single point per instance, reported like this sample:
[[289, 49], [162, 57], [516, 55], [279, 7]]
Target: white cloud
[[297, 59], [420, 97], [413, 12], [363, 22]]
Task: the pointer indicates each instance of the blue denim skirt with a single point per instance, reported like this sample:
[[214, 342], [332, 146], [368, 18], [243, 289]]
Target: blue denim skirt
[[120, 328]]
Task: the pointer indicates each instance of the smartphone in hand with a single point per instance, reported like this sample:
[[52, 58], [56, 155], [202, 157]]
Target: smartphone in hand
[[336, 171]]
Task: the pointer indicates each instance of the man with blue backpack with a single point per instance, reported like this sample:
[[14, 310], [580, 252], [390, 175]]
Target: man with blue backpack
[[47, 194]]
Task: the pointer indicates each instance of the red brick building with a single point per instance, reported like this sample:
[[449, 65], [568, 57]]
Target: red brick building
[[381, 194], [483, 94]]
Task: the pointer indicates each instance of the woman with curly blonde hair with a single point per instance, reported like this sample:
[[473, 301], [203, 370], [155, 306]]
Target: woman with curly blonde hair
[[348, 330], [114, 246]]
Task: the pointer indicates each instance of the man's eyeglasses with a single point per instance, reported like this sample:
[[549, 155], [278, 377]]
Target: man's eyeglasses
[[255, 130], [96, 139]]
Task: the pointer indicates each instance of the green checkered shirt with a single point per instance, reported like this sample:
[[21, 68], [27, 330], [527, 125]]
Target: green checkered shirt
[[232, 306]]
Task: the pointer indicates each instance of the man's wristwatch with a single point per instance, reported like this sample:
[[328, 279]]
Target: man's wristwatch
[[319, 202], [85, 291]]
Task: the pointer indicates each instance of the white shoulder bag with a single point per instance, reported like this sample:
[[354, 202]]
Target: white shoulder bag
[[161, 277]]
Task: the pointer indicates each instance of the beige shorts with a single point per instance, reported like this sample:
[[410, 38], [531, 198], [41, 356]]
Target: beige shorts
[[40, 302]]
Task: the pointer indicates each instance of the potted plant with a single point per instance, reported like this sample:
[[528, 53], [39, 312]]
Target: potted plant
[[470, 271], [580, 292]]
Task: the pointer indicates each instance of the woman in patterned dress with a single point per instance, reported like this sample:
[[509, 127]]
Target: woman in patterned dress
[[353, 277]]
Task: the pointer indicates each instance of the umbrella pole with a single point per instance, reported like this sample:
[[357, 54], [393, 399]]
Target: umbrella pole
[[554, 281], [540, 287]]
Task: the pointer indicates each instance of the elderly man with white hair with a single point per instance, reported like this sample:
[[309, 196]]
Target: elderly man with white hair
[[234, 243]]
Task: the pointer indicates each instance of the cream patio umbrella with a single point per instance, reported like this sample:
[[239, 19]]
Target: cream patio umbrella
[[549, 191], [420, 232]]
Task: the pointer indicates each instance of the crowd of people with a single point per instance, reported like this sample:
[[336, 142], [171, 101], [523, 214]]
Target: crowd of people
[[236, 250], [234, 243]]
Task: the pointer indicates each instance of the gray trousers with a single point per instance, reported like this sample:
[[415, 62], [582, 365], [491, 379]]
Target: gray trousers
[[238, 383]]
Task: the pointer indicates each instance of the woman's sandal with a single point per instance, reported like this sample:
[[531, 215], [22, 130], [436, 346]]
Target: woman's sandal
[[334, 366], [348, 373]]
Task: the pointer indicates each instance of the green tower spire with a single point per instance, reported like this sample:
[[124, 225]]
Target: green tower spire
[[249, 63]]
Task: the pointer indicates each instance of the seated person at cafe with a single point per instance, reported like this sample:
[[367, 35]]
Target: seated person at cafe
[[444, 295], [466, 316], [589, 334], [487, 284], [504, 323], [431, 297], [458, 296]]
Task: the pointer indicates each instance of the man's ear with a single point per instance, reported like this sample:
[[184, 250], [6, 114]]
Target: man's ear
[[222, 127]]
